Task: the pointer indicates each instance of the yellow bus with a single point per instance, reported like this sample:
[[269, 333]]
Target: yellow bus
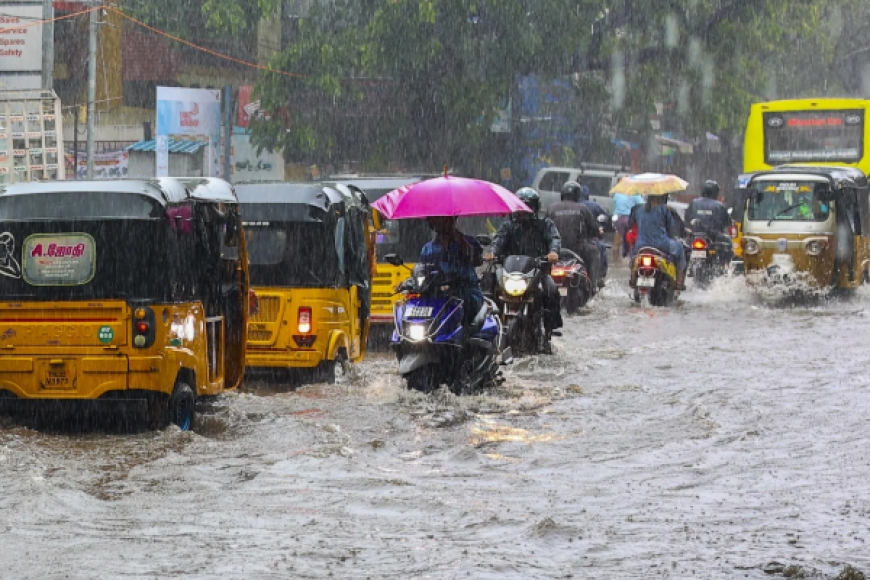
[[811, 131]]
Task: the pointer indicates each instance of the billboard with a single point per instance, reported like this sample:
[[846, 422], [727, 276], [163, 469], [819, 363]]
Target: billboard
[[188, 114], [20, 45]]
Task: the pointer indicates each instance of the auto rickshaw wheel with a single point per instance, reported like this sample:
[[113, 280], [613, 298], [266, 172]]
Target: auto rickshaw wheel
[[182, 406]]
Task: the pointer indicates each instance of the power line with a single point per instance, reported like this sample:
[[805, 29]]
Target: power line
[[202, 48]]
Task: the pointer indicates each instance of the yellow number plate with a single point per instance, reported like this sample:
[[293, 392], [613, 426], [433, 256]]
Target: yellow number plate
[[58, 377]]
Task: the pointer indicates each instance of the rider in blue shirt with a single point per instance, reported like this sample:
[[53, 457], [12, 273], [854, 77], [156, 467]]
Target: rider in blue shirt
[[658, 228], [456, 255]]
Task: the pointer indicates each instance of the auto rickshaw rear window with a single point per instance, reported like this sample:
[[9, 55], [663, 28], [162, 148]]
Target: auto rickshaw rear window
[[306, 256], [403, 237], [73, 205]]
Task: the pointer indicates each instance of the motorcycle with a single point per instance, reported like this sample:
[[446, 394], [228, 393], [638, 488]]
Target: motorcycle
[[433, 344], [710, 258], [521, 298], [572, 278], [653, 277]]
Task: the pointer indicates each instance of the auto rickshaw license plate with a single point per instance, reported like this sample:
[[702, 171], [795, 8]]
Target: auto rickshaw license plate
[[645, 282], [58, 375], [563, 290], [699, 254]]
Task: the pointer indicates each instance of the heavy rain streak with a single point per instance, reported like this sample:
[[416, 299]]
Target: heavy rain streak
[[434, 289]]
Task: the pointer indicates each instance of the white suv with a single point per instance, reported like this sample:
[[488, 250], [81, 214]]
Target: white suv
[[600, 179]]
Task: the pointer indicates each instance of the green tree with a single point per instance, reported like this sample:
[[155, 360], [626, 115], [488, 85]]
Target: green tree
[[451, 64]]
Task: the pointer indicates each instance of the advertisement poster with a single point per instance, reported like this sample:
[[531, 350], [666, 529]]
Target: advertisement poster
[[192, 115], [59, 260]]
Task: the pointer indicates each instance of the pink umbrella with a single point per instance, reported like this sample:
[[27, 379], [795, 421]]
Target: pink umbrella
[[449, 196]]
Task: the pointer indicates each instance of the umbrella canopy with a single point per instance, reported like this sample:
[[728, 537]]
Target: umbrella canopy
[[650, 184], [449, 196]]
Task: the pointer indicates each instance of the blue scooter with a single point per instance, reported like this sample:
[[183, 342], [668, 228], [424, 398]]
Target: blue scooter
[[433, 344]]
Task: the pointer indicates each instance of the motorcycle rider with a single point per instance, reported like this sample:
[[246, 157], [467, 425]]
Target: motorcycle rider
[[708, 215], [658, 227], [579, 229], [456, 255], [525, 234], [605, 225]]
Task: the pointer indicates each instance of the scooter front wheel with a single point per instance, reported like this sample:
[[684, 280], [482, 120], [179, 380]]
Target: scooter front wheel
[[421, 379]]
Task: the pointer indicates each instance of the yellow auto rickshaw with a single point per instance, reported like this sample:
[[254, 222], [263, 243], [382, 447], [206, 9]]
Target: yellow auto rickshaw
[[311, 260], [130, 293], [807, 228], [406, 237]]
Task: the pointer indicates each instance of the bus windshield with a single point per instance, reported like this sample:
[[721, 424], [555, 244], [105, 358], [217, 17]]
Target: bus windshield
[[787, 201], [813, 136]]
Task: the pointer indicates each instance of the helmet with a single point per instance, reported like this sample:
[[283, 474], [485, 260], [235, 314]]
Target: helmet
[[571, 191], [530, 197], [711, 189]]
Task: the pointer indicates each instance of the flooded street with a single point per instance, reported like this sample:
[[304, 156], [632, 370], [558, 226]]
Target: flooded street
[[720, 438]]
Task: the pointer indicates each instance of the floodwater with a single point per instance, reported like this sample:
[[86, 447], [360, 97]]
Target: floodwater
[[721, 438]]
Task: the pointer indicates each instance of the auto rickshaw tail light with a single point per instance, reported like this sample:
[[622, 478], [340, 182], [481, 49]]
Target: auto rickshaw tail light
[[699, 244], [303, 320], [144, 324]]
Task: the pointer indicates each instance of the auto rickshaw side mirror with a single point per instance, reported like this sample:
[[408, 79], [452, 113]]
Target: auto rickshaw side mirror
[[484, 240], [393, 259]]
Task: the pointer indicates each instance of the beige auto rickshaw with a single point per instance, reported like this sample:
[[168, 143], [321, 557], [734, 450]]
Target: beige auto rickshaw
[[807, 228]]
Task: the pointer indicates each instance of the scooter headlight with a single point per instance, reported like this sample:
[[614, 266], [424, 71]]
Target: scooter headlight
[[515, 285], [417, 332]]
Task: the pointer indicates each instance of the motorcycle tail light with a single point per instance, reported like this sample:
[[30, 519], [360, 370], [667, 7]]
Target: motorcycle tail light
[[557, 272], [732, 231], [699, 244], [647, 261]]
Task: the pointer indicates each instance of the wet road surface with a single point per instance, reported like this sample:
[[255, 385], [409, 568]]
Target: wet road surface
[[721, 438]]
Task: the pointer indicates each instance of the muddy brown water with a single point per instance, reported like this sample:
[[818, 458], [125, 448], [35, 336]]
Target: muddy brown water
[[715, 439]]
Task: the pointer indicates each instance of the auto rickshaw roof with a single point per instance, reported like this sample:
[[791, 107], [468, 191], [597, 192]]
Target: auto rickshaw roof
[[377, 187], [165, 190], [838, 176], [318, 195]]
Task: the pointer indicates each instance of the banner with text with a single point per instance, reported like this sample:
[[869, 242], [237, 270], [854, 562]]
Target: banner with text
[[20, 44]]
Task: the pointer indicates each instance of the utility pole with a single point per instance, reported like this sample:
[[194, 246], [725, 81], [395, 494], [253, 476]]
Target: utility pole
[[92, 87], [47, 44]]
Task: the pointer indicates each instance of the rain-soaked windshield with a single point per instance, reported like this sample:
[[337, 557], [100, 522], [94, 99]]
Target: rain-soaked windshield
[[292, 254], [787, 201]]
